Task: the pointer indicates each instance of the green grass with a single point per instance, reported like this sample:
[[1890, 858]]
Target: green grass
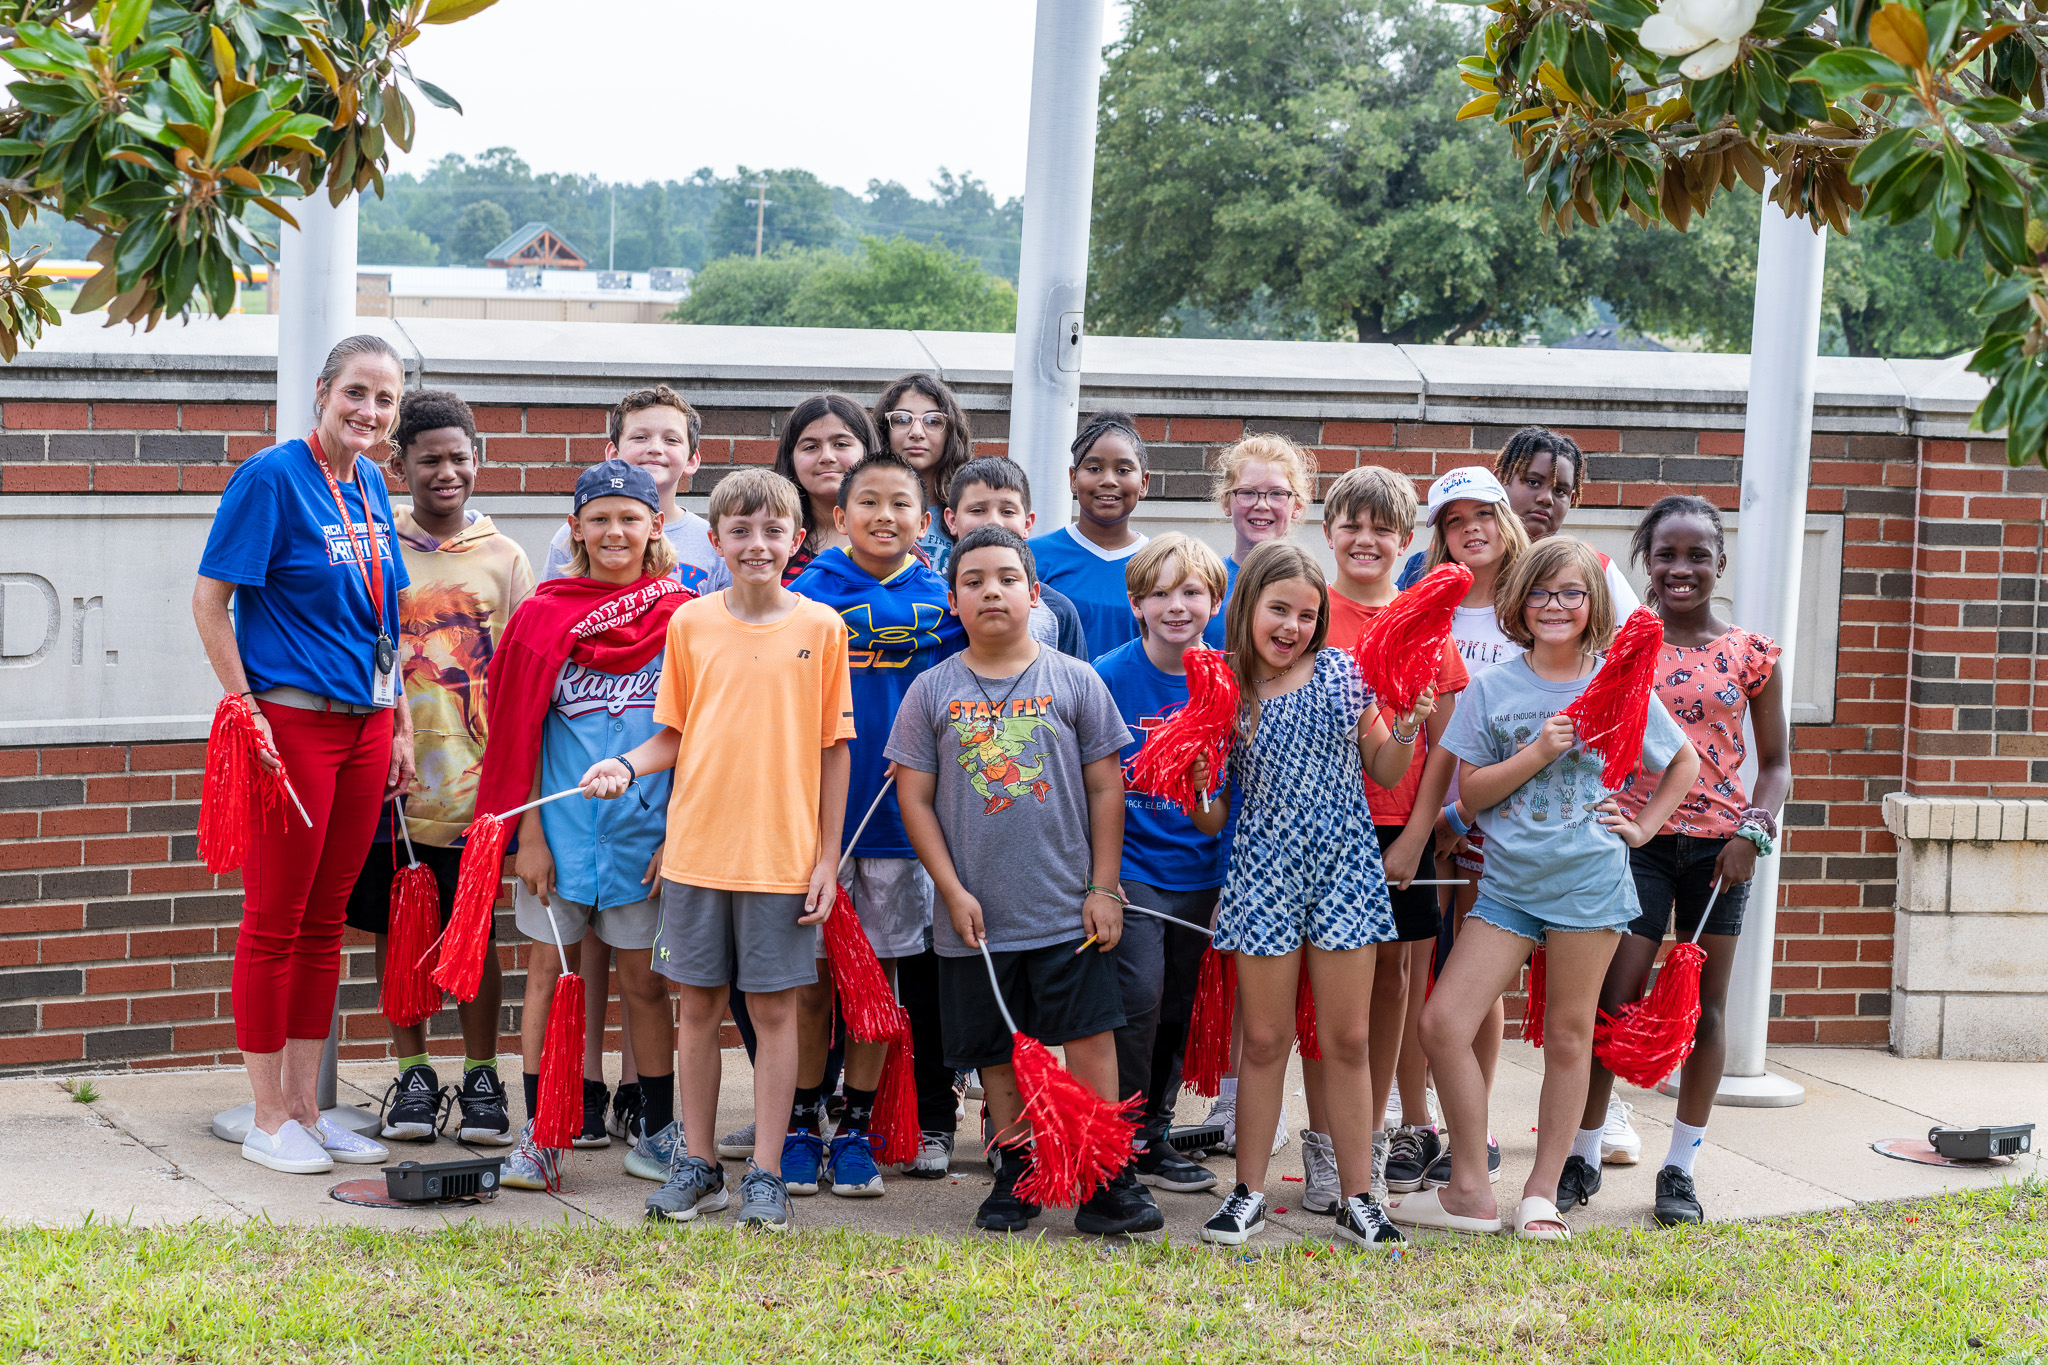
[[82, 1092], [1959, 1278]]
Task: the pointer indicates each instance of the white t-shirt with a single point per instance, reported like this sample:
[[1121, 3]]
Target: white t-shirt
[[1480, 640]]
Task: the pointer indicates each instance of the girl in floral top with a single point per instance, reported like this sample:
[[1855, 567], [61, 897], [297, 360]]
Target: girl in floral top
[[1714, 674]]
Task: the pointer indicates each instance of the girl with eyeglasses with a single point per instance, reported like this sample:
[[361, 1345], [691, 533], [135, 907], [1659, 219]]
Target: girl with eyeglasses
[[1556, 875], [1264, 486], [919, 419]]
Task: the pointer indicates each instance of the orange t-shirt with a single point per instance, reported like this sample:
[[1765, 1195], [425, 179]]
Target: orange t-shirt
[[1347, 623], [756, 706]]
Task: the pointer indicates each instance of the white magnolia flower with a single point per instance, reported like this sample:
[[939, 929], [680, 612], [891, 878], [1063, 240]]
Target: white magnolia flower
[[1708, 32]]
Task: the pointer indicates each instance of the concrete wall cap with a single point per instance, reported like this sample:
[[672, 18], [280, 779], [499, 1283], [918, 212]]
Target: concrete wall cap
[[1966, 818]]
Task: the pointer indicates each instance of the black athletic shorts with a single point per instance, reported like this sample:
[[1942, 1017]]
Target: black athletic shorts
[[1417, 914], [1056, 994], [369, 904], [1676, 871]]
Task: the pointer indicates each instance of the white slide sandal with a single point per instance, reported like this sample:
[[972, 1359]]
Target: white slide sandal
[[1536, 1209], [1424, 1209]]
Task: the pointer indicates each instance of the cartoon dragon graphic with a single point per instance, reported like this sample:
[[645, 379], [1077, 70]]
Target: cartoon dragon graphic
[[993, 755]]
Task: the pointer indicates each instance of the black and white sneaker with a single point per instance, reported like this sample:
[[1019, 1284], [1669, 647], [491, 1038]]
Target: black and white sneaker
[[1439, 1173], [1161, 1167], [595, 1100], [1410, 1151], [1677, 1201], [1242, 1217], [1578, 1184], [486, 1120], [625, 1109], [1363, 1220], [412, 1105]]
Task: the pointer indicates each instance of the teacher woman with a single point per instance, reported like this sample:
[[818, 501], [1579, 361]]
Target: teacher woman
[[302, 547]]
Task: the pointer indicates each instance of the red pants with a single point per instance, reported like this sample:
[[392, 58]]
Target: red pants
[[297, 879]]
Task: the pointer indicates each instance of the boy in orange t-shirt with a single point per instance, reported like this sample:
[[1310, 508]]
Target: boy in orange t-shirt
[[758, 705]]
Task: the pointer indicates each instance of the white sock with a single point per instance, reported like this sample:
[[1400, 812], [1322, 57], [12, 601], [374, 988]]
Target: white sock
[[1686, 1141], [1586, 1144], [1226, 1086]]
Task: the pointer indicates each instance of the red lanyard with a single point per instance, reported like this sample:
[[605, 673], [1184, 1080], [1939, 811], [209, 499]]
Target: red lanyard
[[373, 574]]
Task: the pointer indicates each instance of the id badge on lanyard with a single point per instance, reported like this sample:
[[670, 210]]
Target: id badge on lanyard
[[383, 655]]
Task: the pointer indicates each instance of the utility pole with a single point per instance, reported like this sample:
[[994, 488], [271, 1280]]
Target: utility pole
[[760, 213]]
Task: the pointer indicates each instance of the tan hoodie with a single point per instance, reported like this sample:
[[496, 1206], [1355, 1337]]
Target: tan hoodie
[[450, 620]]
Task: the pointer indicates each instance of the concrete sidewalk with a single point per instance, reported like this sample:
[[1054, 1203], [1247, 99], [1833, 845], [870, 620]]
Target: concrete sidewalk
[[143, 1152]]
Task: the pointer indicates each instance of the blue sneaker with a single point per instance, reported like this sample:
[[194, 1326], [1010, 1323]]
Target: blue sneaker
[[653, 1153], [803, 1152], [852, 1167]]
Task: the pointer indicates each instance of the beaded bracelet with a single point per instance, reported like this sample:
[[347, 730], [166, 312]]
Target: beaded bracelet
[[1113, 895]]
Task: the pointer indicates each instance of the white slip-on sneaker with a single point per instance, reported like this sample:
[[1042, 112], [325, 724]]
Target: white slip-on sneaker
[[291, 1149], [352, 1148], [1620, 1144]]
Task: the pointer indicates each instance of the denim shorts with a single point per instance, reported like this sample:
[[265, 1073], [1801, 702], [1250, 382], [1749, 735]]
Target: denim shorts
[[1524, 925], [1677, 871]]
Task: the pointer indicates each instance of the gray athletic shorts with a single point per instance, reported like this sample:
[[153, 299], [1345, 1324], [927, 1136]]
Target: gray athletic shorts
[[621, 926], [703, 932], [893, 897]]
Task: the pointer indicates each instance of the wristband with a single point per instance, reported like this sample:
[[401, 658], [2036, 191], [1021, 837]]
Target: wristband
[[1457, 825], [1093, 889], [632, 773]]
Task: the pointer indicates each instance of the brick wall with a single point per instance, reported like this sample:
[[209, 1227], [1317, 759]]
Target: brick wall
[[115, 945]]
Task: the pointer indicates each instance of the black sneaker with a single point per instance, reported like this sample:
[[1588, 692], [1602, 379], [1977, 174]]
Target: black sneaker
[[1361, 1219], [1439, 1173], [595, 1098], [412, 1105], [1579, 1183], [1242, 1217], [1003, 1211], [485, 1118], [1409, 1154], [1677, 1201], [1122, 1205], [1161, 1167], [626, 1109]]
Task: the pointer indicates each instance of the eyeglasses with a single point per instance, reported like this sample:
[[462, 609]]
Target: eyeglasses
[[1252, 497], [901, 420], [1571, 599]]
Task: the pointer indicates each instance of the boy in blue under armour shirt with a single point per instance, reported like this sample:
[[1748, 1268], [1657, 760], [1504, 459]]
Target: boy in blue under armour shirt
[[1176, 586], [897, 626]]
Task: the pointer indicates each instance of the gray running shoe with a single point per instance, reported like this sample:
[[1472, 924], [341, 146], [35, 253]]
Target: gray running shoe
[[737, 1144], [650, 1156], [764, 1201], [1382, 1145], [531, 1167], [694, 1186], [1319, 1168], [934, 1157]]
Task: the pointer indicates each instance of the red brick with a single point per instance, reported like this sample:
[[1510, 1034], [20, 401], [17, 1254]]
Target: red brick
[[46, 416], [48, 853], [1432, 436], [198, 1037], [154, 881], [241, 448], [1205, 429], [205, 478], [575, 421], [549, 479], [18, 825], [85, 948], [226, 417], [165, 757], [1819, 950], [491, 479], [1720, 443], [41, 1047], [135, 416], [1862, 1032], [526, 449], [84, 1013], [45, 478], [17, 952], [45, 919], [152, 848], [1872, 978], [1594, 439], [101, 789], [753, 452], [106, 820], [587, 449], [17, 762], [170, 942], [97, 759], [128, 979], [1379, 435], [155, 1009]]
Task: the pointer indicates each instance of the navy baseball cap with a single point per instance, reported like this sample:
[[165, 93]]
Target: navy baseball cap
[[616, 479]]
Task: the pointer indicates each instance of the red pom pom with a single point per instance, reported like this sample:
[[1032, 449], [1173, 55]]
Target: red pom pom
[[1208, 1047], [1305, 1017], [1532, 1007], [461, 968], [1615, 707], [409, 995], [866, 1002], [894, 1122], [561, 1067], [237, 790], [1079, 1141], [1651, 1038], [1401, 649], [1203, 729]]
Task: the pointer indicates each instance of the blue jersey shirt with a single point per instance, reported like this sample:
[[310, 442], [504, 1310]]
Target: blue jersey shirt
[[1093, 580], [602, 848], [1162, 847], [896, 628], [1214, 635], [302, 611]]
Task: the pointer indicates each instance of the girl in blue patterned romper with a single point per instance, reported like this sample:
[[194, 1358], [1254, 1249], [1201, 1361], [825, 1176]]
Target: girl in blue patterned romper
[[1304, 871]]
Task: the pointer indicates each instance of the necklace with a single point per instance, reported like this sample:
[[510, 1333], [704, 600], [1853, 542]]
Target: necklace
[[1266, 682], [997, 706]]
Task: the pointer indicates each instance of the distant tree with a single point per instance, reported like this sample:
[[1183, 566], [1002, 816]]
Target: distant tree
[[480, 227], [395, 244], [895, 284], [962, 214], [799, 213]]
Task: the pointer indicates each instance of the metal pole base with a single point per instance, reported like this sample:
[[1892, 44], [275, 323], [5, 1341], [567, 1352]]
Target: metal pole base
[[232, 1125], [1750, 1092]]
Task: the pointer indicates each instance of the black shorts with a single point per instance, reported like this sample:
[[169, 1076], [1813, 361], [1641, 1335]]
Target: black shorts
[[1678, 870], [369, 904], [1057, 995], [1417, 913]]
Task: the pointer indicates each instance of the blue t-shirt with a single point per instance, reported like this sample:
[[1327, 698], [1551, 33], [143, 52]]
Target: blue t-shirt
[[1214, 635], [302, 611], [896, 628], [601, 848], [1162, 847], [1547, 854], [1093, 579]]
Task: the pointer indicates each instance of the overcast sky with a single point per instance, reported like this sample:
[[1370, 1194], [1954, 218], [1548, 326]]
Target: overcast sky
[[852, 90]]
